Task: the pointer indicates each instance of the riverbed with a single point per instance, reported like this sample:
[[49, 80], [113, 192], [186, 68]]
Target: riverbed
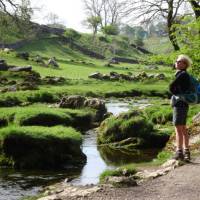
[[16, 184]]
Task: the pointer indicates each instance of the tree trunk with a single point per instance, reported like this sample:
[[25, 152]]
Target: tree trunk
[[171, 30], [195, 7]]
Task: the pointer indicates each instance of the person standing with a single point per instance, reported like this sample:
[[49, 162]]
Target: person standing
[[178, 86]]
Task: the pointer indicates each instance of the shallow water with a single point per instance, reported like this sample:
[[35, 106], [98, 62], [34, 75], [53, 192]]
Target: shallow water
[[17, 184]]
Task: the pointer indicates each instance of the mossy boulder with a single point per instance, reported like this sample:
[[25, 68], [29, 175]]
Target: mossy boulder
[[131, 129], [40, 147]]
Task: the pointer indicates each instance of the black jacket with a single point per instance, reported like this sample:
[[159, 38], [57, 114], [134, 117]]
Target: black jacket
[[179, 86], [181, 83]]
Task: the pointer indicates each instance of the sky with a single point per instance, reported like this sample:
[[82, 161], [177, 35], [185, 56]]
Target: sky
[[70, 12]]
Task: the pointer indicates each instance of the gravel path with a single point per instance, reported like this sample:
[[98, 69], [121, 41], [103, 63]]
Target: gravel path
[[183, 183]]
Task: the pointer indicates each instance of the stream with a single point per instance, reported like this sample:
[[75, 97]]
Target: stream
[[16, 184]]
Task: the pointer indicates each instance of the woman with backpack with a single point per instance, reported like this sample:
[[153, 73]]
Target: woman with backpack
[[180, 108]]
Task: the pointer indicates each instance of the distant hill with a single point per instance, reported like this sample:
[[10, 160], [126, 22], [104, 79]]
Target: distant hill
[[47, 41]]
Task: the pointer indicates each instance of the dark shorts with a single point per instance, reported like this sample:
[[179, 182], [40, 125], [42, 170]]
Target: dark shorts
[[180, 115]]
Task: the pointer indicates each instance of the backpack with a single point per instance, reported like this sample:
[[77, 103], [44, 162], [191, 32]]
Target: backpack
[[192, 96]]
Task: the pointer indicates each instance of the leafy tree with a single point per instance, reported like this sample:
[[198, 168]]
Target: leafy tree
[[7, 26], [24, 13], [188, 36], [94, 22], [128, 30], [148, 11], [110, 30]]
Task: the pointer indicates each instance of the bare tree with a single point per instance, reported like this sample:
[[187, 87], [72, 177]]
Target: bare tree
[[148, 10], [110, 11], [8, 6]]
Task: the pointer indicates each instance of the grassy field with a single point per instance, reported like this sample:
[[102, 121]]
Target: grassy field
[[21, 109], [76, 67]]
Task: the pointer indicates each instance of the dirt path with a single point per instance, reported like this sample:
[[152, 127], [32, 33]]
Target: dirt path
[[181, 183]]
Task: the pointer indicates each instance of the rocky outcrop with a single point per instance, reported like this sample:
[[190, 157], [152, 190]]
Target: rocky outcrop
[[125, 60], [20, 69], [52, 62], [23, 55], [65, 191], [53, 80], [114, 76], [77, 101], [3, 65], [130, 130], [83, 49], [141, 49], [121, 181]]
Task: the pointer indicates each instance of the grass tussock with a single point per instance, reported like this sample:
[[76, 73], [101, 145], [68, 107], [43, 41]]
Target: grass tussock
[[131, 127], [41, 115], [40, 147], [126, 170]]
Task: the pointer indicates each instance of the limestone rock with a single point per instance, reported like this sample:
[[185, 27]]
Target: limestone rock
[[19, 69], [96, 75], [196, 119], [23, 55], [52, 62], [3, 65], [74, 101], [121, 181]]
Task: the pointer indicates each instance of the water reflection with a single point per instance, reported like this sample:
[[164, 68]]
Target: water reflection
[[116, 107], [117, 157], [95, 164], [17, 184]]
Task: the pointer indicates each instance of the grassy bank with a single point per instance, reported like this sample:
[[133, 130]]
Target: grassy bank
[[40, 147]]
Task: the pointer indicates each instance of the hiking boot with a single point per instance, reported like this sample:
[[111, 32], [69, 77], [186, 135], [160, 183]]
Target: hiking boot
[[178, 155], [187, 155]]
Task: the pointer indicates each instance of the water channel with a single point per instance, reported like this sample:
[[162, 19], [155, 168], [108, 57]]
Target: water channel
[[16, 184]]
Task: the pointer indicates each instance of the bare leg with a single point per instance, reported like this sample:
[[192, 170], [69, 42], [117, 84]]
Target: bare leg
[[179, 137], [185, 137]]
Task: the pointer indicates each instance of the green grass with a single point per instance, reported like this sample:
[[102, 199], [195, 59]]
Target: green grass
[[126, 170], [39, 132], [77, 74], [40, 147], [42, 115], [131, 130]]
